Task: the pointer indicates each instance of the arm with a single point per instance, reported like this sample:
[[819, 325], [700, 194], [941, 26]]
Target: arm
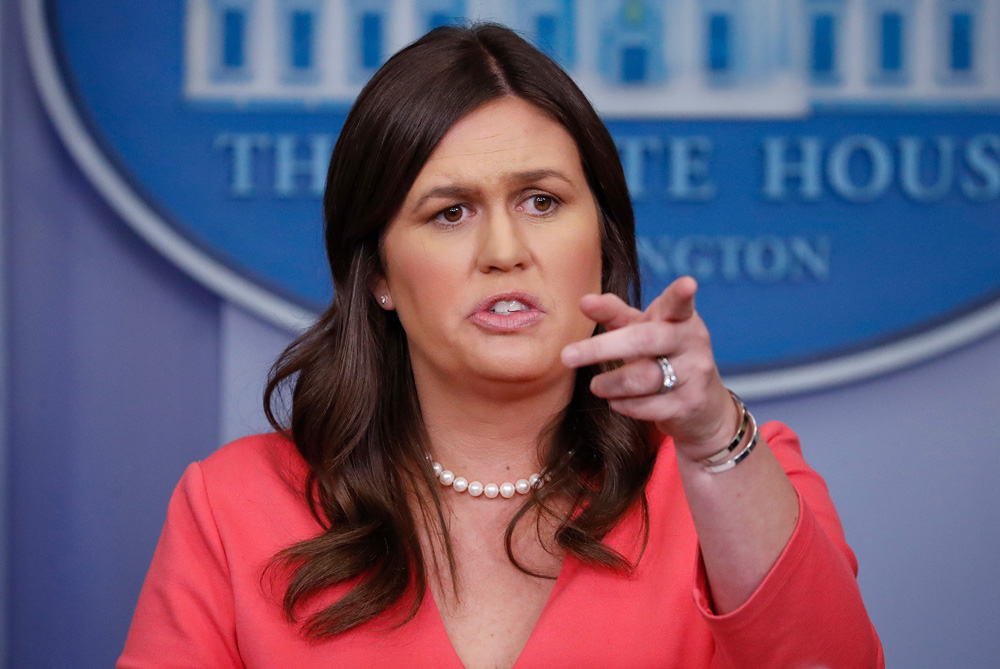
[[185, 615], [807, 611], [744, 517]]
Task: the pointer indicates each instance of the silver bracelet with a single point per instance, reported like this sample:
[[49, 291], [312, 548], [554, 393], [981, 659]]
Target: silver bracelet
[[747, 435], [738, 439]]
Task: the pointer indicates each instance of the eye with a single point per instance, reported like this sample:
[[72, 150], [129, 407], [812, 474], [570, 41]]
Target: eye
[[540, 204], [452, 215]]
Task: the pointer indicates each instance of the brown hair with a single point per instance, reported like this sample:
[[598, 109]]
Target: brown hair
[[355, 416]]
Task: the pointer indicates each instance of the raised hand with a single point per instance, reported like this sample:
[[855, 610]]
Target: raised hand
[[697, 411]]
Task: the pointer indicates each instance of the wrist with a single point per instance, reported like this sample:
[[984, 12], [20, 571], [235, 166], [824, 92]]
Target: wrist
[[729, 447]]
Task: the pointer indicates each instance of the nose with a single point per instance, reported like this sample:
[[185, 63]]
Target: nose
[[503, 247]]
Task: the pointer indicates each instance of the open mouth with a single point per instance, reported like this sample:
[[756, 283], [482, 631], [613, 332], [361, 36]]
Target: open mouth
[[508, 312], [504, 307]]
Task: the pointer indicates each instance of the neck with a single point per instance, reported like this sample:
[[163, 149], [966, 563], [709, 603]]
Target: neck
[[494, 432]]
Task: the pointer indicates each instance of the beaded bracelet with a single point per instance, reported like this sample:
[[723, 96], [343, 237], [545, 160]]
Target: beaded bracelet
[[746, 436]]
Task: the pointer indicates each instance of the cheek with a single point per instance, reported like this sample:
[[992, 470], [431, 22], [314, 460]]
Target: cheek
[[581, 260], [422, 277]]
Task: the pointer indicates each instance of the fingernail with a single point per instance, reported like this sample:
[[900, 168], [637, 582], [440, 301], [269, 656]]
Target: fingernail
[[570, 356]]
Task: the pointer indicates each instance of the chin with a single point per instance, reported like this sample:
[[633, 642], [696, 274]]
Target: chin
[[514, 367]]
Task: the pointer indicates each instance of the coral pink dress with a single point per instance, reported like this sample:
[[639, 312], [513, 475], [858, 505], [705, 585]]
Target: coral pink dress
[[204, 603]]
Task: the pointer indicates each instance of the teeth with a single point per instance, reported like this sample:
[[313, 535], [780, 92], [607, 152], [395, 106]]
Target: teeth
[[504, 307]]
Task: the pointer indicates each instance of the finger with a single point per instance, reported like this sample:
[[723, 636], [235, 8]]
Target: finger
[[676, 302], [649, 339], [610, 310], [636, 379], [649, 407]]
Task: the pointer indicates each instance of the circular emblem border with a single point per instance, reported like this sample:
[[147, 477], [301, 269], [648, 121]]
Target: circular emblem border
[[231, 285]]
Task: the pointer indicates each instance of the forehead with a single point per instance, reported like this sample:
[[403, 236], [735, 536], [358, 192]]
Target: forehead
[[502, 137]]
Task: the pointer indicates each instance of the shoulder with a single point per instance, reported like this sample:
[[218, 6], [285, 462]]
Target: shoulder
[[254, 481], [255, 456], [229, 516]]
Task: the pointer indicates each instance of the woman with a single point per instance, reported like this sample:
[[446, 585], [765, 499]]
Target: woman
[[481, 242]]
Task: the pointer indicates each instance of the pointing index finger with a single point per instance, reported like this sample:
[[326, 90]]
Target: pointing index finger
[[645, 339], [676, 302]]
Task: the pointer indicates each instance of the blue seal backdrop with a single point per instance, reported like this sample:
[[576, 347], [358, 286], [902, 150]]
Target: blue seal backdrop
[[832, 226]]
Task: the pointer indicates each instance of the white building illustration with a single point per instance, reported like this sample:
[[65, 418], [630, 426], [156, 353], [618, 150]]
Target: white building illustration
[[680, 58]]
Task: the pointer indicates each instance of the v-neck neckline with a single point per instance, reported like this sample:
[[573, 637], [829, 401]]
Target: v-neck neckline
[[568, 564], [616, 539]]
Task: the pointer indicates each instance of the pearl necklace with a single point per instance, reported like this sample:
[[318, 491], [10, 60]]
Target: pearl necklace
[[506, 489]]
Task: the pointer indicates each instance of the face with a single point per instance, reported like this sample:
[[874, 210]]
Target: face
[[496, 242]]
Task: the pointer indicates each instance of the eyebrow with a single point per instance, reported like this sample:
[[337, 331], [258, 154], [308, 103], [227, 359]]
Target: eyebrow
[[458, 191]]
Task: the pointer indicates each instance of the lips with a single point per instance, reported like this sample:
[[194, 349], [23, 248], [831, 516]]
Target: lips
[[504, 307], [507, 312]]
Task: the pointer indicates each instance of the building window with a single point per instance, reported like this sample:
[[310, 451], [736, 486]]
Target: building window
[[234, 27], [634, 64], [369, 30], [959, 48], [725, 58], [824, 46], [961, 42], [550, 25], [302, 40], [889, 36], [718, 43], [230, 33], [371, 40], [300, 24], [892, 42]]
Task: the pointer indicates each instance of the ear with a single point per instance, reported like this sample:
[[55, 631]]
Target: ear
[[379, 287]]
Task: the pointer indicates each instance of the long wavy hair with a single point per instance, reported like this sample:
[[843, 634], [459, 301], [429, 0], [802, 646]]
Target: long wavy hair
[[354, 413]]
